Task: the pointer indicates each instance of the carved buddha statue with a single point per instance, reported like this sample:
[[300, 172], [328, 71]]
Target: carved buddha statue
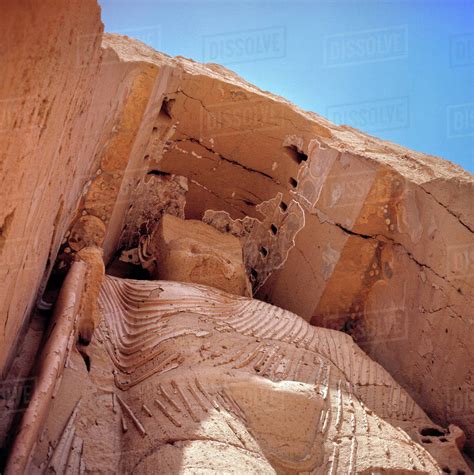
[[187, 378]]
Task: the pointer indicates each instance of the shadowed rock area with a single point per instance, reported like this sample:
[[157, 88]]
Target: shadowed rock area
[[334, 329]]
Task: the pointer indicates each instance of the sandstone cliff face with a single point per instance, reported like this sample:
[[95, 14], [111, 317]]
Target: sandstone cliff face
[[348, 231], [50, 62], [383, 249]]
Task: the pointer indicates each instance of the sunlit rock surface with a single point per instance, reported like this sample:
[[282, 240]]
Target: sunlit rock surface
[[102, 136], [185, 378]]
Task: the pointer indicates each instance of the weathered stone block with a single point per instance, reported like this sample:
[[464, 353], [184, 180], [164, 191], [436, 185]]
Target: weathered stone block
[[192, 251]]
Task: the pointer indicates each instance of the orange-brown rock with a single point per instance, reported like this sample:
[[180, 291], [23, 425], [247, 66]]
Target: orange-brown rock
[[349, 231], [210, 382], [385, 251], [192, 251], [89, 314], [153, 197], [50, 60]]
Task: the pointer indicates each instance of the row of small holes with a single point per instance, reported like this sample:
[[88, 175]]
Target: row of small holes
[[299, 158]]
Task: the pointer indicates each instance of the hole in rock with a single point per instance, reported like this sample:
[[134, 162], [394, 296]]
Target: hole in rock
[[446, 470], [166, 107], [254, 273], [443, 439], [283, 206], [158, 173], [425, 440], [274, 229], [86, 358], [264, 251], [431, 431], [293, 182], [295, 154], [154, 130], [126, 270]]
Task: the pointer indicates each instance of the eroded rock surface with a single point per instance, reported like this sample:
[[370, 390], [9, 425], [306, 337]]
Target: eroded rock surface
[[50, 60], [103, 135], [187, 378], [266, 243], [385, 253], [192, 251], [154, 196]]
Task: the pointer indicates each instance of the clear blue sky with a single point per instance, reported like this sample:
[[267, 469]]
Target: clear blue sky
[[400, 70]]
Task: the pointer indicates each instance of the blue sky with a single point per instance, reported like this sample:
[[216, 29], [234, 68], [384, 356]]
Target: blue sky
[[400, 70]]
